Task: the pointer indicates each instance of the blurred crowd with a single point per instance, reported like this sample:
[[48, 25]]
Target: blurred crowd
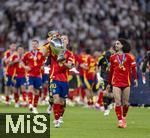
[[90, 23]]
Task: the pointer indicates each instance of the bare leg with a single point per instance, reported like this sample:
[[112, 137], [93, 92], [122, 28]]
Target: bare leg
[[117, 95]]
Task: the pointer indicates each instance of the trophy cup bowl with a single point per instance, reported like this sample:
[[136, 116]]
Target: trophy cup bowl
[[58, 48]]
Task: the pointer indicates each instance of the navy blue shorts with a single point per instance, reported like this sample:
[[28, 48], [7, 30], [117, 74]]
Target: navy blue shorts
[[45, 78], [36, 82], [60, 88], [20, 82], [9, 81]]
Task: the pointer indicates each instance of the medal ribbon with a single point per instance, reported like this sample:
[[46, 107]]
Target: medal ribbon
[[121, 61], [34, 54]]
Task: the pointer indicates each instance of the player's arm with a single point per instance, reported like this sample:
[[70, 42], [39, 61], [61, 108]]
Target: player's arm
[[70, 61], [15, 59], [44, 49], [24, 62], [134, 70], [6, 58], [14, 75]]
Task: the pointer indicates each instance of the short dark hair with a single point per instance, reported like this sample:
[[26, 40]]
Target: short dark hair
[[20, 46], [13, 42], [34, 40], [126, 45]]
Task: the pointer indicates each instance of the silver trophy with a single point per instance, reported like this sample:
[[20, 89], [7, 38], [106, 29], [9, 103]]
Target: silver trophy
[[58, 48]]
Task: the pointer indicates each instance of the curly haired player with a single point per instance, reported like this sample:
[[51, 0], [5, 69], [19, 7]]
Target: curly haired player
[[122, 66]]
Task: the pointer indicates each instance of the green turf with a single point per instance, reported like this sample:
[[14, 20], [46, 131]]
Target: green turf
[[90, 123]]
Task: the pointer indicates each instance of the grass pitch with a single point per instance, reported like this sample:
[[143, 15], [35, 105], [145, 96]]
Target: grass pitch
[[90, 123]]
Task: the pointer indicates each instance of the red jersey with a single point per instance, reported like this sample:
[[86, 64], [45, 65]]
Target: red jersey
[[91, 64], [120, 73], [59, 71], [10, 69], [35, 61], [82, 59], [20, 70], [90, 73]]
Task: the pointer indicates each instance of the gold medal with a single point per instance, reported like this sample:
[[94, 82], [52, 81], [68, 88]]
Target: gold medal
[[122, 67]]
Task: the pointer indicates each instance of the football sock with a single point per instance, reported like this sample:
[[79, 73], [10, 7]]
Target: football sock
[[125, 110], [90, 102], [118, 111], [30, 97], [7, 98], [24, 95], [36, 99], [82, 93], [56, 110], [62, 110], [16, 97], [100, 99], [70, 95]]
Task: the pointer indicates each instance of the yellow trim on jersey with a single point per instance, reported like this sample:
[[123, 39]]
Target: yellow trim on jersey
[[129, 82], [52, 73]]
